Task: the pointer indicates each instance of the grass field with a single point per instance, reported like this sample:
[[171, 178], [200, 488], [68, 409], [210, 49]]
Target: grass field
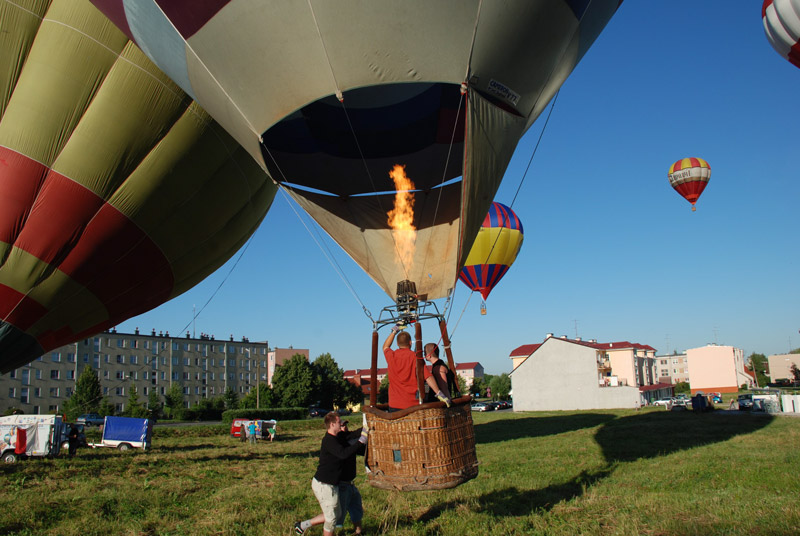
[[601, 472]]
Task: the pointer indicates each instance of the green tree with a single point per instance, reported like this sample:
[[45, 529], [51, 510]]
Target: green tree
[[293, 383], [758, 363], [331, 389], [383, 391], [230, 398], [106, 408], [795, 372], [682, 387], [87, 395], [478, 386], [173, 401], [154, 404], [134, 407], [500, 386], [266, 398], [209, 409], [462, 384]]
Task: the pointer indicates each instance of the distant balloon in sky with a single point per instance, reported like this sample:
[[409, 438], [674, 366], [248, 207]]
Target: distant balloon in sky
[[494, 250], [781, 20], [117, 192], [331, 96], [689, 177]]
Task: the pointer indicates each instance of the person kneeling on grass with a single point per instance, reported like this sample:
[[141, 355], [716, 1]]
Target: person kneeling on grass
[[325, 484]]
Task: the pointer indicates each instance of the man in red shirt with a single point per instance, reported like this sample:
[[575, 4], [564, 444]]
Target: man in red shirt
[[403, 391]]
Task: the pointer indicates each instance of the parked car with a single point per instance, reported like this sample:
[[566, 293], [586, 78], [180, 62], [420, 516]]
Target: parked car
[[318, 412], [91, 419], [716, 397], [503, 404], [745, 402], [663, 402], [480, 406], [680, 404]]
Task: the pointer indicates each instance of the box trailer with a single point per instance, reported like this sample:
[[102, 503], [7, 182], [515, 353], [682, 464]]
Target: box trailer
[[125, 433], [23, 436]]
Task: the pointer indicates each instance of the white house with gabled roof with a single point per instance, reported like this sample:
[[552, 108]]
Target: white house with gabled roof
[[572, 374]]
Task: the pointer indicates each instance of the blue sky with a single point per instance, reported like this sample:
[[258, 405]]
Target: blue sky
[[611, 252]]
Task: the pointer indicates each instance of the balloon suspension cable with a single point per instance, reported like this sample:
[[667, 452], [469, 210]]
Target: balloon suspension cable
[[444, 171], [535, 148], [340, 97], [327, 253]]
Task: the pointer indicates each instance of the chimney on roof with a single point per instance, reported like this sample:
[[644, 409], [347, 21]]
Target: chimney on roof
[[548, 336], [578, 339], [564, 337], [592, 340], [611, 345]]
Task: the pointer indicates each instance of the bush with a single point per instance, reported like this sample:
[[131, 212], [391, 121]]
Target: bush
[[279, 414]]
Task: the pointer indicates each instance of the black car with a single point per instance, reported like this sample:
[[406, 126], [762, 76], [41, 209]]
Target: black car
[[318, 412], [745, 402]]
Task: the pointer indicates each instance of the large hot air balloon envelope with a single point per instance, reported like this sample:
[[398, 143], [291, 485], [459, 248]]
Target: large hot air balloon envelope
[[329, 96], [781, 19], [689, 177], [117, 192], [494, 250]]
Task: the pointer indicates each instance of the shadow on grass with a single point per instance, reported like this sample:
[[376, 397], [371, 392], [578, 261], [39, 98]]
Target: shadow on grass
[[505, 429], [625, 439], [652, 434]]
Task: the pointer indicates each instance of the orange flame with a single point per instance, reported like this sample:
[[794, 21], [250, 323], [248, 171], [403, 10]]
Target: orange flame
[[401, 217]]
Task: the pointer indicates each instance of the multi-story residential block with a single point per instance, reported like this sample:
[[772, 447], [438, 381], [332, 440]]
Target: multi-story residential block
[[564, 374], [204, 368], [672, 368], [714, 368], [780, 366]]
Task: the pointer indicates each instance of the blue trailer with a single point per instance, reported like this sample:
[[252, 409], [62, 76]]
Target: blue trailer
[[125, 433]]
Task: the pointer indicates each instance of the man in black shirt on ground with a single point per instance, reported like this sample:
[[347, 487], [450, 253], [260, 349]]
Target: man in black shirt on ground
[[333, 453]]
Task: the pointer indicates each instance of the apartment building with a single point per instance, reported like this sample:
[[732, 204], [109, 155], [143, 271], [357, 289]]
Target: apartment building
[[569, 374], [717, 368], [204, 367], [672, 368]]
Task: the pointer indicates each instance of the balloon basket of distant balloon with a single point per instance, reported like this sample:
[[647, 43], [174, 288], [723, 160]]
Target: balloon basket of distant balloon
[[424, 447]]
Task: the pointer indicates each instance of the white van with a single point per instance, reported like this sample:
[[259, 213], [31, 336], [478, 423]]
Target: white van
[[22, 436]]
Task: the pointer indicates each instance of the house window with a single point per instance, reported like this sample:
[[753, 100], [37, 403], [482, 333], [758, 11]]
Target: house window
[[120, 343], [134, 360], [54, 392], [187, 361], [26, 377], [12, 392], [70, 374], [56, 357], [55, 374], [37, 392], [71, 357], [120, 375], [38, 374], [120, 359]]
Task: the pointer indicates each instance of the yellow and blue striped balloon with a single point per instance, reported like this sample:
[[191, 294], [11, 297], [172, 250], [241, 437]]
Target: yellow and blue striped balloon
[[494, 250]]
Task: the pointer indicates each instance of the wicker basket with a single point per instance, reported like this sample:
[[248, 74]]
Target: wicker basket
[[424, 447]]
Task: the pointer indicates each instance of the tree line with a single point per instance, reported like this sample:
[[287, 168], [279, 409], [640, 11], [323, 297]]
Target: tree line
[[296, 383]]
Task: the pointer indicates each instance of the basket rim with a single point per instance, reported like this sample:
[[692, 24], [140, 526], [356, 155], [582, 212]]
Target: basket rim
[[380, 410]]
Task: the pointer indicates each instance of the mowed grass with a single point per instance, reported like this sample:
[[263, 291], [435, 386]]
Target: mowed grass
[[601, 472]]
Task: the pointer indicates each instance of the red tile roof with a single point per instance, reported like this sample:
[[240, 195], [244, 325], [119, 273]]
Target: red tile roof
[[528, 349], [655, 387], [524, 350]]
